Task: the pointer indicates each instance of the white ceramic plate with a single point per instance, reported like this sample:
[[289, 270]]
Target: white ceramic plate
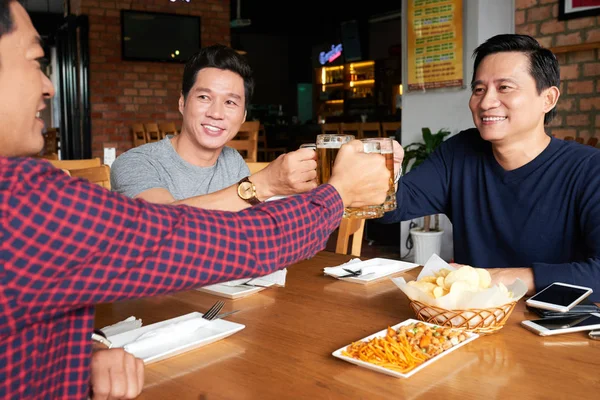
[[382, 333], [216, 330], [373, 269], [231, 292]]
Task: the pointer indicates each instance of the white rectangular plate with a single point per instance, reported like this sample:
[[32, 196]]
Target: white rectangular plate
[[387, 267], [216, 330], [231, 292], [382, 333]]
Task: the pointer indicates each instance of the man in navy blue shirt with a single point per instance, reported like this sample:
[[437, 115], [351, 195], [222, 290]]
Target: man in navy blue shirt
[[521, 202]]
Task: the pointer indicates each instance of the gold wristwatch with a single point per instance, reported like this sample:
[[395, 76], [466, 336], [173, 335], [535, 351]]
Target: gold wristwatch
[[247, 191]]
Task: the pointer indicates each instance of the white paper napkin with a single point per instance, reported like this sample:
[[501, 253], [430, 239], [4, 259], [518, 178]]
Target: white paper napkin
[[372, 267], [339, 270], [170, 334], [122, 326], [276, 278]]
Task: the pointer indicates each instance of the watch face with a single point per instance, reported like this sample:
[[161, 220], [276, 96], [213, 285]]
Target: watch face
[[245, 190]]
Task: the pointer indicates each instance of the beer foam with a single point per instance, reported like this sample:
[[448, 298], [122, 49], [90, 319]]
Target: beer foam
[[329, 145]]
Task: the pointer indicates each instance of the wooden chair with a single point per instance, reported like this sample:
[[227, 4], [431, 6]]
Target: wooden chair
[[138, 134], [167, 128], [246, 141], [51, 141], [266, 153], [152, 132], [390, 129], [331, 128], [350, 228], [99, 175], [77, 164], [256, 166], [592, 141], [369, 129], [350, 128]]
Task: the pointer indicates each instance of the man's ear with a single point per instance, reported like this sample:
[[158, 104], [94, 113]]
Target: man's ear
[[245, 113], [181, 103], [551, 96]]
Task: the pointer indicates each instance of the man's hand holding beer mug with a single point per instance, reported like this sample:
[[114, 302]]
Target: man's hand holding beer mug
[[361, 179]]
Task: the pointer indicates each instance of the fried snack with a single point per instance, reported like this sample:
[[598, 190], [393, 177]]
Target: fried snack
[[404, 349], [445, 281]]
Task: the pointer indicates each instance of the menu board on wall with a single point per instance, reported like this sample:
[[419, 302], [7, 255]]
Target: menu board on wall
[[435, 44]]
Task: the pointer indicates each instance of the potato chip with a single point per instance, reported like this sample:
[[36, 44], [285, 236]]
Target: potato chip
[[443, 272], [440, 281], [459, 286], [428, 278], [467, 274], [485, 279], [439, 291]]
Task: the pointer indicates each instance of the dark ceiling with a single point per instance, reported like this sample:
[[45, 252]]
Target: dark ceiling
[[308, 17]]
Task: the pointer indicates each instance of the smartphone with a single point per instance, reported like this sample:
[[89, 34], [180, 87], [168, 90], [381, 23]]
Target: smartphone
[[585, 307], [559, 297], [556, 326]]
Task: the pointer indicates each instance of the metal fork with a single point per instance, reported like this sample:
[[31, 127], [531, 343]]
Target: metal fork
[[213, 311]]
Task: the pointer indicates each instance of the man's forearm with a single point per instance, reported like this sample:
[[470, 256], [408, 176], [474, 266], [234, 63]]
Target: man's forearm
[[224, 200]]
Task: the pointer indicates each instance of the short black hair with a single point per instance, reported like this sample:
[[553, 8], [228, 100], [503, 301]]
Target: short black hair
[[6, 21], [221, 57], [543, 65]]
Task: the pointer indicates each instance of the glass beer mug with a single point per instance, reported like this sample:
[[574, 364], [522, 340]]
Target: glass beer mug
[[328, 145]]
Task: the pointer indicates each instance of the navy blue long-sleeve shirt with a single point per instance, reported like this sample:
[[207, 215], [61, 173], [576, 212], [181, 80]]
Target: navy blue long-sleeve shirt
[[544, 215]]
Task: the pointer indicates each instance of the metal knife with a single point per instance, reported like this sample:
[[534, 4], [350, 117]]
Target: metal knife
[[226, 314]]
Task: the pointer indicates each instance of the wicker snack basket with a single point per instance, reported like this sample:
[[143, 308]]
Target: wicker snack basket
[[482, 321]]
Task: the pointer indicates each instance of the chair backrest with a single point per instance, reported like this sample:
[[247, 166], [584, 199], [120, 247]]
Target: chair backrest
[[369, 129], [77, 164], [99, 175], [262, 136], [246, 141], [350, 228], [351, 128], [167, 128], [51, 140], [256, 166], [593, 141], [332, 127], [138, 134], [390, 128], [152, 132]]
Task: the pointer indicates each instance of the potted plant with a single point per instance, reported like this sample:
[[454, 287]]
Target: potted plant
[[426, 240]]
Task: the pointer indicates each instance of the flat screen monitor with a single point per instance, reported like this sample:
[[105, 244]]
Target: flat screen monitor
[[351, 41], [148, 36]]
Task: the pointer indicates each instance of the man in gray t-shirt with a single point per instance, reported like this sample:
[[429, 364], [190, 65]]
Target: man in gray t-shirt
[[196, 167], [157, 165]]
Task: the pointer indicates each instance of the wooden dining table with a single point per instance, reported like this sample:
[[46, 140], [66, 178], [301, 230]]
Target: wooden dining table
[[285, 349]]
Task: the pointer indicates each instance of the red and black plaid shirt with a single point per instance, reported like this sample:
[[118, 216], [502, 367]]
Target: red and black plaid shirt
[[67, 244]]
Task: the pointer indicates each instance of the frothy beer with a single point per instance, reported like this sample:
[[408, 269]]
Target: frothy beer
[[326, 154]]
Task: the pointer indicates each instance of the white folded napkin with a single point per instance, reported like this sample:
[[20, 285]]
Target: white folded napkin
[[339, 270], [122, 326], [169, 334], [373, 267], [276, 278]]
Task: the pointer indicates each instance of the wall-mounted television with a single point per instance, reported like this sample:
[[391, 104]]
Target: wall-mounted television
[[149, 36]]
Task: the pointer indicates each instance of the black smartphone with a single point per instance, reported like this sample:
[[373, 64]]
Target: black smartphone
[[585, 307]]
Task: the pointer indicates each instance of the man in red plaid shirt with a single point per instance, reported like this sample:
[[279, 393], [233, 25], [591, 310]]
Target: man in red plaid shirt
[[67, 244]]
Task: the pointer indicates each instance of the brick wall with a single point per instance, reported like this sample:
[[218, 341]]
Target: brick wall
[[579, 70], [122, 92]]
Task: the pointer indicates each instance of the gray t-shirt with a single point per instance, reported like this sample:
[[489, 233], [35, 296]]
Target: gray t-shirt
[[157, 165]]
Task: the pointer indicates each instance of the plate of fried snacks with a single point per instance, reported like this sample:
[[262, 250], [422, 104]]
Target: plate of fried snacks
[[405, 348]]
